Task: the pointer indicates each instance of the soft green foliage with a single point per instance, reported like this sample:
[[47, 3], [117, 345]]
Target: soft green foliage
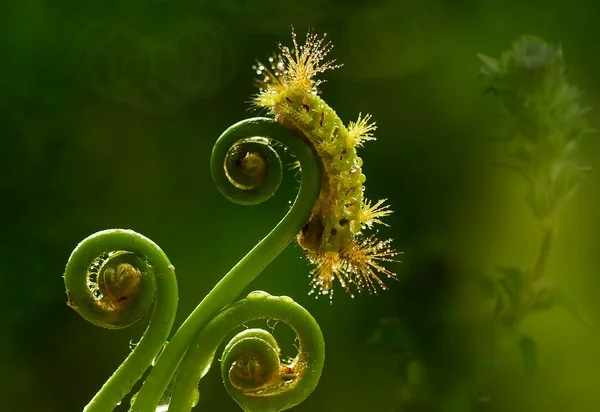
[[546, 121], [541, 132], [545, 126]]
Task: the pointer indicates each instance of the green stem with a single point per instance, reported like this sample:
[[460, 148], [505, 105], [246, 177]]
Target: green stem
[[529, 297], [282, 394], [230, 286], [165, 306], [548, 237]]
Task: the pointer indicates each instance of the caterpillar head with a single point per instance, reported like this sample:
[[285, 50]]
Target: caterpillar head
[[291, 73]]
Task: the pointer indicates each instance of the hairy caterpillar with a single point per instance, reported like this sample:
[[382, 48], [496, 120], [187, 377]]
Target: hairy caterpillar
[[333, 238]]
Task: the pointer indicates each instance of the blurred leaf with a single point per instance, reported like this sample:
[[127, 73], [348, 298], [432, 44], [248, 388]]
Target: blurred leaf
[[568, 177], [563, 300], [550, 298], [509, 289], [538, 199], [529, 353], [491, 66], [494, 291], [514, 278], [503, 303], [544, 299]]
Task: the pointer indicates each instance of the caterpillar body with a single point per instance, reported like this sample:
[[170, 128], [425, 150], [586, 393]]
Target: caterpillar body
[[333, 238]]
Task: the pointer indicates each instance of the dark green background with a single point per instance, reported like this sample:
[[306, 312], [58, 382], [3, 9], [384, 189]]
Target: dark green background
[[109, 110]]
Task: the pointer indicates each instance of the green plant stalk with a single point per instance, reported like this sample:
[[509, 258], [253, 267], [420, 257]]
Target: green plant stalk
[[538, 271], [232, 284], [257, 305], [548, 237], [163, 316]]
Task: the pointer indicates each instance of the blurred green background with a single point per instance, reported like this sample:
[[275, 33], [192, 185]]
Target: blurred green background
[[109, 110]]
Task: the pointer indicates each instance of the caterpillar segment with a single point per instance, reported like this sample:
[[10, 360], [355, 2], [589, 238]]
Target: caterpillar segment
[[333, 237]]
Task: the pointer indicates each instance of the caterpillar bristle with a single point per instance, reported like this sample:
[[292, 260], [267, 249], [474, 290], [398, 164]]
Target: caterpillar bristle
[[357, 263], [361, 130], [371, 214], [362, 257]]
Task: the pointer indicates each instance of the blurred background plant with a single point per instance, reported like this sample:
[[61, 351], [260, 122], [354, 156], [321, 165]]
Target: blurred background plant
[[540, 135], [78, 156], [545, 129]]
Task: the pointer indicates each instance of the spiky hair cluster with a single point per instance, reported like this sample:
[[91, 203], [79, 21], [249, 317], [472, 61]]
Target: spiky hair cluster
[[357, 263], [333, 237], [297, 68]]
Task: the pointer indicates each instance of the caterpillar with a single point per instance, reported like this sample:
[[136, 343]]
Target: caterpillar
[[333, 239]]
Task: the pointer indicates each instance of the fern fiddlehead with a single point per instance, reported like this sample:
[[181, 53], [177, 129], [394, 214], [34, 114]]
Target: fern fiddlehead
[[118, 264], [123, 272], [232, 284], [250, 365]]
